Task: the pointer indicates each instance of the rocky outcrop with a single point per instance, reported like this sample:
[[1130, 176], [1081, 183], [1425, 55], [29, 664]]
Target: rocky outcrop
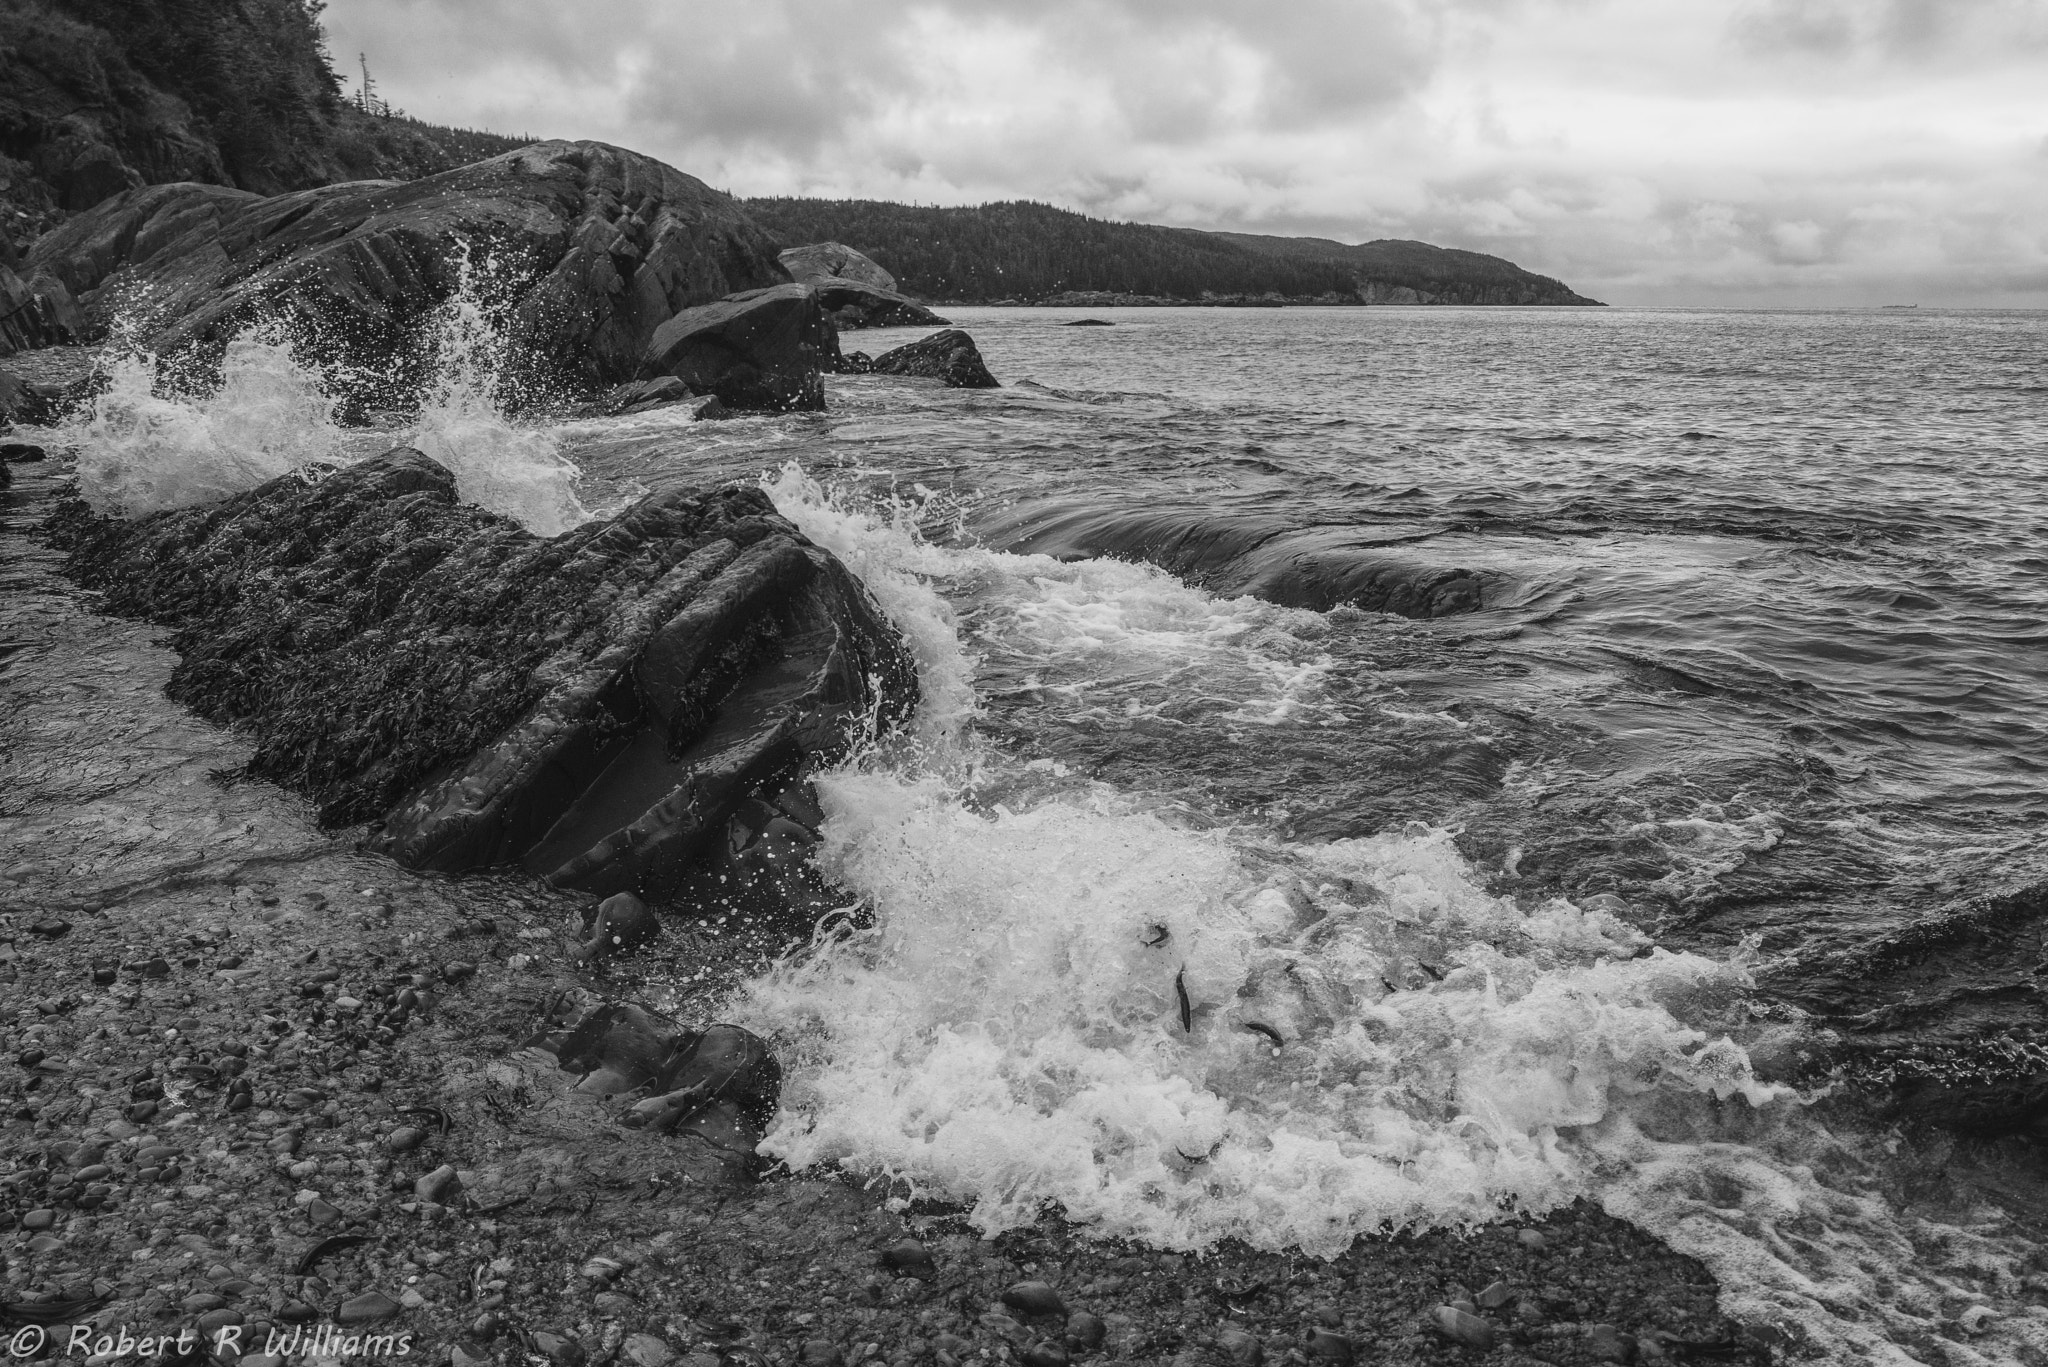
[[855, 291], [950, 356], [827, 263], [37, 312], [594, 707], [762, 349], [590, 247]]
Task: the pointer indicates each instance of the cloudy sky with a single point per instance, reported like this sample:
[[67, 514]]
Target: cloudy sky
[[1740, 152]]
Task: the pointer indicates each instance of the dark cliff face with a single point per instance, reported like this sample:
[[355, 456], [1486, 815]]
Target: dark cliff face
[[101, 96]]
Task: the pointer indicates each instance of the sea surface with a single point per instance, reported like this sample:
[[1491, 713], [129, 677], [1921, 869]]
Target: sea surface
[[1400, 767]]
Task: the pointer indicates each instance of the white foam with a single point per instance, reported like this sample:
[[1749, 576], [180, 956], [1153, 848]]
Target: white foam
[[514, 469], [1008, 1033], [139, 453]]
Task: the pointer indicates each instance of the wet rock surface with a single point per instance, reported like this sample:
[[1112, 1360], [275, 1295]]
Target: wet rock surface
[[762, 349], [855, 291], [595, 706], [595, 246], [950, 356]]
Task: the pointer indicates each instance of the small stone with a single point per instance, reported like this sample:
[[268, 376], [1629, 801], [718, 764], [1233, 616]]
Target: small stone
[[1327, 1345], [213, 1321], [1034, 1298], [455, 972], [819, 1353], [1087, 1330], [39, 1219], [1494, 1296], [612, 1305], [439, 1186], [201, 1301], [599, 1268], [296, 1312], [467, 1355], [909, 1258], [1531, 1239], [411, 1299], [1976, 1319], [1608, 1344], [405, 1139], [560, 1349], [622, 922], [51, 928], [1240, 1346], [1462, 1328], [645, 1350], [29, 1058], [1044, 1354], [372, 1307]]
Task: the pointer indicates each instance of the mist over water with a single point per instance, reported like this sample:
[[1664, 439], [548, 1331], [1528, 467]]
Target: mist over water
[[1211, 900]]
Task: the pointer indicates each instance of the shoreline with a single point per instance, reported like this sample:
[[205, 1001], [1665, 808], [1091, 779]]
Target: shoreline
[[763, 1272]]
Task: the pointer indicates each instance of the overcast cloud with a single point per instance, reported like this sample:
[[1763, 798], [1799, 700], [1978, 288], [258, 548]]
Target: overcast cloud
[[1749, 152]]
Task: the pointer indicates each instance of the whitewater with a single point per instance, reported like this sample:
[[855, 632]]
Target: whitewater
[[1207, 900]]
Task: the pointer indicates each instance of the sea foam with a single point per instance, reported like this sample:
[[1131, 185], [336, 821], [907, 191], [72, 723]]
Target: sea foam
[[1086, 999], [142, 450]]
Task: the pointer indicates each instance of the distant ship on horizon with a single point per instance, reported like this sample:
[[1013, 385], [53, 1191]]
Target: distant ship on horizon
[[1899, 306]]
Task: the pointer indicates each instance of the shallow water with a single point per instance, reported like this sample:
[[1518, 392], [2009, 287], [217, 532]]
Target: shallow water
[[1210, 901]]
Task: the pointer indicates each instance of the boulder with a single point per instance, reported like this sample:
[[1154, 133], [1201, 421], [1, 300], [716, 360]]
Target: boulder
[[950, 356], [595, 706], [588, 248], [37, 312], [20, 405], [760, 349], [860, 306], [826, 263], [854, 290]]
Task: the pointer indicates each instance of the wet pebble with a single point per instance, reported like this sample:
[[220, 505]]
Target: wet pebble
[[1086, 1330], [645, 1350], [372, 1307], [439, 1186], [1327, 1345], [909, 1258], [1463, 1328], [1034, 1298], [1608, 1344], [1239, 1346]]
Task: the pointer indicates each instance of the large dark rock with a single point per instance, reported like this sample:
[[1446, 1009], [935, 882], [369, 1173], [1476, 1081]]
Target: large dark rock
[[761, 349], [594, 706], [855, 291], [588, 247], [950, 356], [829, 263]]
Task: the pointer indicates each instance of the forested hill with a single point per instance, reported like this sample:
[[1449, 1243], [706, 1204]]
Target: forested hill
[[1034, 252], [99, 95]]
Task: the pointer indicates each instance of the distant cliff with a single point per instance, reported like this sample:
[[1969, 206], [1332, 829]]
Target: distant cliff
[[1035, 253], [99, 96]]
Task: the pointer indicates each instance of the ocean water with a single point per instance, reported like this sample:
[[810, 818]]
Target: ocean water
[[1405, 767]]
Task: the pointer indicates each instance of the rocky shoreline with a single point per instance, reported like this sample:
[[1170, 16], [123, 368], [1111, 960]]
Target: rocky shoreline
[[273, 1082]]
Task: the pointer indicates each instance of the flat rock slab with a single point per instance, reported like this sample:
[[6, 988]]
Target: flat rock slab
[[595, 705]]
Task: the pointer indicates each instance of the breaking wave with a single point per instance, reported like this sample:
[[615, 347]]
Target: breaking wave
[[142, 450]]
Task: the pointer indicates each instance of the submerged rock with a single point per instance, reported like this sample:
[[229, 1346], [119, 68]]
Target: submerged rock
[[591, 247], [950, 356], [594, 706], [762, 349]]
